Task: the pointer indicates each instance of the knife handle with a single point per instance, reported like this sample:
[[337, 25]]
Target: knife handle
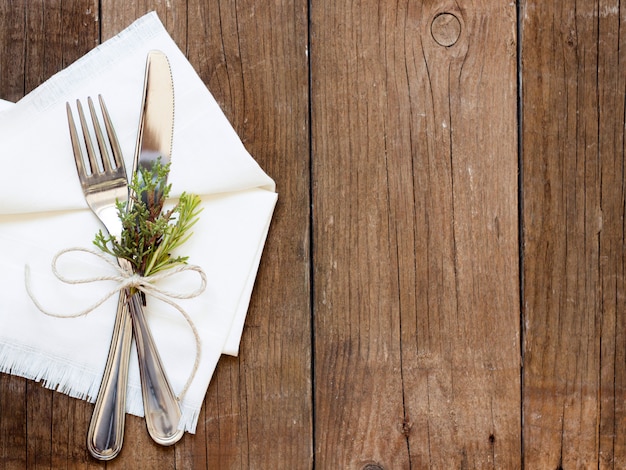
[[106, 429], [161, 407]]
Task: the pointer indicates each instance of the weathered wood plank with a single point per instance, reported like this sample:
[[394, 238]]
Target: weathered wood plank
[[253, 59], [258, 73], [13, 406], [57, 33], [466, 355], [415, 235], [573, 173], [115, 15], [70, 419], [612, 270], [13, 39], [38, 39], [223, 425], [358, 386], [13, 410]]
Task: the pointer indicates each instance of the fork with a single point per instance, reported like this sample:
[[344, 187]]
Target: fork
[[102, 189], [104, 182]]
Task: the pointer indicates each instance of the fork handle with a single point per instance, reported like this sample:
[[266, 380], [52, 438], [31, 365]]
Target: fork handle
[[161, 407], [106, 429]]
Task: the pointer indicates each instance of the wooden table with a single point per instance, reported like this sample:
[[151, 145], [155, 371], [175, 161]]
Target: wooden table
[[443, 284]]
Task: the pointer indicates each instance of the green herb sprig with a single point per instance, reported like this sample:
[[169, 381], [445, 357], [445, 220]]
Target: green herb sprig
[[150, 234]]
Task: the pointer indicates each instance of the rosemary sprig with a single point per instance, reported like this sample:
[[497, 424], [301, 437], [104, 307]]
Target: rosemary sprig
[[149, 233]]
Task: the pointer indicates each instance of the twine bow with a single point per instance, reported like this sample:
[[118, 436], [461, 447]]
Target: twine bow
[[128, 280]]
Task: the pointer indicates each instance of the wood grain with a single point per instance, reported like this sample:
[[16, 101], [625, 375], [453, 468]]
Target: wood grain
[[573, 169], [258, 74], [40, 428], [415, 236], [386, 329], [13, 404], [13, 422], [13, 40], [253, 58]]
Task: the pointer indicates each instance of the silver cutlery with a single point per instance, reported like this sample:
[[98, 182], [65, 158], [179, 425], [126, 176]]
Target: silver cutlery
[[104, 183]]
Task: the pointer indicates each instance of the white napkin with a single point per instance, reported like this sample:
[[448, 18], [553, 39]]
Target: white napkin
[[43, 211]]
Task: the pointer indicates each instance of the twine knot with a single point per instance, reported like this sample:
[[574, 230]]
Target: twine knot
[[127, 279]]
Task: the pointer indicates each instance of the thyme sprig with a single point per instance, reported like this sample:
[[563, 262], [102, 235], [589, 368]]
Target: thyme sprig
[[149, 233]]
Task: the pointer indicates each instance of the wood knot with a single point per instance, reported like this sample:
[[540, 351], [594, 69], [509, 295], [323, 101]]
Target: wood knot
[[445, 29], [372, 466]]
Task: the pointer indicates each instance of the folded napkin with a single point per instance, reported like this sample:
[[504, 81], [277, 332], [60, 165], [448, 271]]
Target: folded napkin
[[43, 211]]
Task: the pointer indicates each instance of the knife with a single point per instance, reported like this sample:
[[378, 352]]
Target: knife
[[154, 141]]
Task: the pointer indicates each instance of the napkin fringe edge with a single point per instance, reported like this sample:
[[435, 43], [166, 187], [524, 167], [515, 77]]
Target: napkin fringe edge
[[52, 373], [75, 382]]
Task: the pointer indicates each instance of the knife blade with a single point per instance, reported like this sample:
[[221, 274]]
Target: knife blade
[[156, 125], [154, 141]]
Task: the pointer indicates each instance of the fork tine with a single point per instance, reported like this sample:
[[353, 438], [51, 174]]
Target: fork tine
[[104, 152], [78, 153], [91, 154], [115, 145]]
